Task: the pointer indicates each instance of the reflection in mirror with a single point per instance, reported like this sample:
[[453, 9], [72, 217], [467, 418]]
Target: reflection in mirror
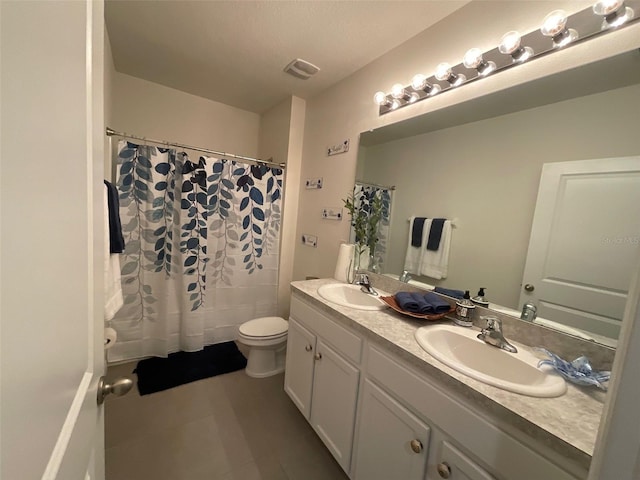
[[481, 163]]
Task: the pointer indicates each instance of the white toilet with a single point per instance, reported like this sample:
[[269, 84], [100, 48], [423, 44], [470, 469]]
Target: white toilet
[[267, 339]]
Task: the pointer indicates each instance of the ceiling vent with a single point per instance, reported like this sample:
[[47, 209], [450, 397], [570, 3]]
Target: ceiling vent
[[301, 69]]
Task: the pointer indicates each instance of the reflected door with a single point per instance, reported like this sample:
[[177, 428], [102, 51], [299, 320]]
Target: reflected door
[[584, 238]]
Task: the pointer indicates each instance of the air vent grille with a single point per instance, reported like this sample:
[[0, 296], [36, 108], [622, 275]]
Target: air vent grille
[[301, 69]]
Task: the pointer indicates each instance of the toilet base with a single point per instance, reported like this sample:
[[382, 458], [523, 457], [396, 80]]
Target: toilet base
[[265, 362]]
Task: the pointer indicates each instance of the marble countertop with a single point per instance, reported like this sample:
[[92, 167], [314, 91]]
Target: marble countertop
[[567, 424]]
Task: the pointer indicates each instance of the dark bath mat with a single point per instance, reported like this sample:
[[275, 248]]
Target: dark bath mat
[[157, 374]]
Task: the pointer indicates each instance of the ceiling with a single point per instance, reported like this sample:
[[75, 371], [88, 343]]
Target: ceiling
[[234, 52]]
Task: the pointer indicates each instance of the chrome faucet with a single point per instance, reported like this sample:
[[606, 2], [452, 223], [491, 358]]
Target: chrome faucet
[[405, 277], [529, 312], [362, 279], [492, 334]]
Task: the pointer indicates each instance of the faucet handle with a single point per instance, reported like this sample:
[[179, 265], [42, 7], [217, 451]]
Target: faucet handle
[[493, 323]]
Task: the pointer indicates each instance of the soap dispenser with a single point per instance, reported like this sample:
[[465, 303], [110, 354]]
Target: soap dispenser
[[464, 309], [479, 299]]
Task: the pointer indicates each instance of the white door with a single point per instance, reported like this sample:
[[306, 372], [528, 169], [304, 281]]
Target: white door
[[392, 442], [584, 237], [51, 272]]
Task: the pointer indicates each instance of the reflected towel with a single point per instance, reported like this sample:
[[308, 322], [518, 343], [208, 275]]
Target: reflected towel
[[113, 299], [414, 254], [438, 304], [417, 230], [435, 234], [436, 264], [459, 294], [407, 302]]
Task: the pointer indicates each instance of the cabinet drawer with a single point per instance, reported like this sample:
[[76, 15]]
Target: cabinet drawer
[[500, 451], [345, 342]]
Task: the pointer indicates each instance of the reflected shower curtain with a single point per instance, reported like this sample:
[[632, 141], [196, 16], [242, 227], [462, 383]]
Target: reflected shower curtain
[[363, 196], [201, 256]]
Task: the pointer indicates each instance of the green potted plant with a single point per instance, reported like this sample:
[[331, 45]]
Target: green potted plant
[[365, 227]]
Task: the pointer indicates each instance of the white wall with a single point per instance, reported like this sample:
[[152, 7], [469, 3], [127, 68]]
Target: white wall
[[147, 109], [347, 109], [460, 172]]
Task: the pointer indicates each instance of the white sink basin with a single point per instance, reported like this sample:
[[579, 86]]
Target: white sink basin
[[351, 296], [460, 349]]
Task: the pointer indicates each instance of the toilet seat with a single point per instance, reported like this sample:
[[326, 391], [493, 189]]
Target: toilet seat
[[267, 328]]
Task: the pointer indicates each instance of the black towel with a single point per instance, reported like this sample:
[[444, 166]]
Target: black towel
[[416, 231], [459, 294], [435, 234], [116, 240]]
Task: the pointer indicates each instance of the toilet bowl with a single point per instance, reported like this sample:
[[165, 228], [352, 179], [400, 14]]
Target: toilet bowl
[[267, 339]]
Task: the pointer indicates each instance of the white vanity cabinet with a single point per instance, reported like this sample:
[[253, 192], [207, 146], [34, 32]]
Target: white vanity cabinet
[[322, 376]]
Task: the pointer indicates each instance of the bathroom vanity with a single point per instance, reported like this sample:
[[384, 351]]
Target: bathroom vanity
[[386, 409]]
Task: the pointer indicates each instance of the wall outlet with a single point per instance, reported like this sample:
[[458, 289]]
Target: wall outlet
[[338, 148], [332, 213], [310, 240], [313, 183]]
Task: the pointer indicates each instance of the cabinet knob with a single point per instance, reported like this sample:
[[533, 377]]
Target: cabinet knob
[[308, 348], [416, 446], [318, 356], [444, 470]]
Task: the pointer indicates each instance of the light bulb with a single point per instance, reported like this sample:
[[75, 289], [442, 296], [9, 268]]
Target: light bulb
[[418, 82], [443, 71], [397, 91], [554, 23], [510, 45], [380, 98], [395, 104], [554, 26], [414, 97], [614, 12], [473, 59], [510, 42]]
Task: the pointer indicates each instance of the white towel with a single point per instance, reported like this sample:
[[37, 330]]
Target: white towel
[[113, 300], [436, 264], [413, 257]]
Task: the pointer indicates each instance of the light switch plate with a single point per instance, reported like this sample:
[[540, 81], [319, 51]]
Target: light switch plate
[[310, 240], [332, 213], [313, 183], [338, 148]]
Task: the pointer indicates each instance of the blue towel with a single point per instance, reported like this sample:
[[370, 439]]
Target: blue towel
[[116, 240], [459, 294], [435, 234], [416, 232], [406, 302], [438, 304]]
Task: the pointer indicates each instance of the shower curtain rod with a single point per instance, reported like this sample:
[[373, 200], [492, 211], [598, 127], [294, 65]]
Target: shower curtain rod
[[111, 132], [388, 187]]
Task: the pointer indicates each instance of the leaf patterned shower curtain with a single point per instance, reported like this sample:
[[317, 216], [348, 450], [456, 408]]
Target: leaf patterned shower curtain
[[202, 244]]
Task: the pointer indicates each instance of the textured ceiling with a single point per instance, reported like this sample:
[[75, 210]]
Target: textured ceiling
[[234, 52]]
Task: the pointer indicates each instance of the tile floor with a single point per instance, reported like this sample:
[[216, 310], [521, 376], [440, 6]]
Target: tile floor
[[229, 427]]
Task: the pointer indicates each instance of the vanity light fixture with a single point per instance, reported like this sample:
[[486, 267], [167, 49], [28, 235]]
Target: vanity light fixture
[[554, 25], [514, 49], [419, 82], [473, 59], [510, 44], [445, 73], [615, 12]]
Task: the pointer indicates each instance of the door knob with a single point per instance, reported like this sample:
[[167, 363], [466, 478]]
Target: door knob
[[318, 356], [529, 288], [119, 387], [416, 446], [444, 470]]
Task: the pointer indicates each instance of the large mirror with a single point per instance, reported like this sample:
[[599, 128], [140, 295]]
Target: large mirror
[[480, 163]]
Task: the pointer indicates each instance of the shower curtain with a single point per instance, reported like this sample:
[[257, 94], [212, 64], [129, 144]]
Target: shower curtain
[[201, 249], [363, 196]]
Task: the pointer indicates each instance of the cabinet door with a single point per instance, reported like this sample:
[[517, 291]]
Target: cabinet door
[[392, 442], [298, 374], [455, 465], [335, 392]]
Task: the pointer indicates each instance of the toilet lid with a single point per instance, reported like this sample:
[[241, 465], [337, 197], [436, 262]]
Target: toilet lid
[[264, 327]]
